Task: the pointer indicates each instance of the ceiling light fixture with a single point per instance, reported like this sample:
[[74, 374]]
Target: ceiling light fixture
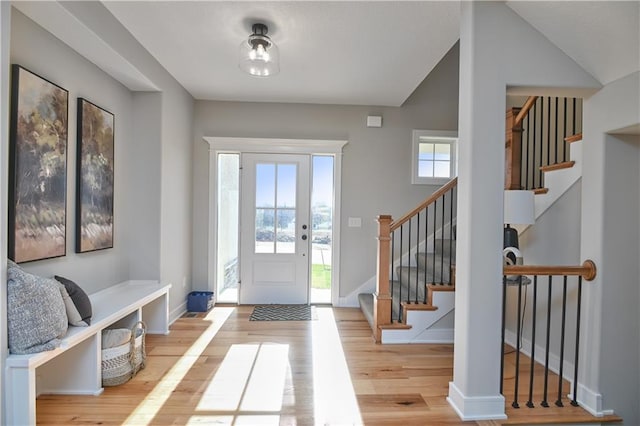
[[258, 54]]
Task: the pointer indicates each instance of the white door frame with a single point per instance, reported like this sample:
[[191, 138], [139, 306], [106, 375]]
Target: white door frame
[[219, 145]]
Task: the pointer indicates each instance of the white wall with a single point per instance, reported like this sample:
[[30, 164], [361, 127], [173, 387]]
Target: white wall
[[376, 162], [37, 50], [5, 35], [609, 232]]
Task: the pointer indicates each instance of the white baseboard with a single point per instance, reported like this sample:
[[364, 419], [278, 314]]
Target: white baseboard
[[476, 407], [439, 335], [177, 312], [591, 401]]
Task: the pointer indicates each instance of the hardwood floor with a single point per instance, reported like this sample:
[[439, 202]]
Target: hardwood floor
[[221, 368]]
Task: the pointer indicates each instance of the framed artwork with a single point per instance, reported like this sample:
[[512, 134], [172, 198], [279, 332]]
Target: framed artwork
[[37, 167], [94, 179]]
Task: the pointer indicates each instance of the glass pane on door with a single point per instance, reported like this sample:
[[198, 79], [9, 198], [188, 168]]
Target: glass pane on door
[[275, 208]]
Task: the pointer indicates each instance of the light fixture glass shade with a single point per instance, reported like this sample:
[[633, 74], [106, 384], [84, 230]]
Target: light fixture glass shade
[[259, 55], [519, 207]]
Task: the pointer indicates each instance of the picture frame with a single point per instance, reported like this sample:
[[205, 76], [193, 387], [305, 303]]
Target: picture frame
[[37, 167], [94, 177]]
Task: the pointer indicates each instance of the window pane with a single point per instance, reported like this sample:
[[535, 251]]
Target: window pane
[[265, 230], [228, 212], [425, 168], [442, 169], [286, 185], [286, 231], [426, 151], [442, 151], [265, 185], [321, 229]]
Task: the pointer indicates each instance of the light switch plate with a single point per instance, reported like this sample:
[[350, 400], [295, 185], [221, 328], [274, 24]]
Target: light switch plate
[[355, 222]]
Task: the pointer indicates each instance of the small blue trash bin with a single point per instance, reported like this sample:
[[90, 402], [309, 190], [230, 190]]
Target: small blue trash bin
[[200, 301]]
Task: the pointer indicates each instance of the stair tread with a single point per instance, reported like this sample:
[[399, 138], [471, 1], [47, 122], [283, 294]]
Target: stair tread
[[539, 191], [411, 306], [573, 138], [558, 166]]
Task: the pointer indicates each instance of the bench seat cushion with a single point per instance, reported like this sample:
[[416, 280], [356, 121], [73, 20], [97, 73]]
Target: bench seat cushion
[[36, 315]]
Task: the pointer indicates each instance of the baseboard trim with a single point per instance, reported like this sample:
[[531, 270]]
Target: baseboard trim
[[476, 407], [177, 312], [592, 402]]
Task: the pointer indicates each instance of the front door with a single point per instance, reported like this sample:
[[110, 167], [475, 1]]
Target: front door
[[274, 263]]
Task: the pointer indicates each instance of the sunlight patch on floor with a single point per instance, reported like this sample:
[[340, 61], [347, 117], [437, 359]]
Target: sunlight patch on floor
[[268, 420], [145, 411], [250, 378], [334, 399]]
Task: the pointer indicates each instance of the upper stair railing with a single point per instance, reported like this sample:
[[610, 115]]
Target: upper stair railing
[[537, 136], [424, 237]]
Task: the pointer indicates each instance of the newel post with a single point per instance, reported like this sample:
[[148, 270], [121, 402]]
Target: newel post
[[382, 296], [513, 147]]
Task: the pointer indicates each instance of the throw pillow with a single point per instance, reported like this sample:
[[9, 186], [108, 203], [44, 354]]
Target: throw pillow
[[79, 298], [73, 315], [36, 316]]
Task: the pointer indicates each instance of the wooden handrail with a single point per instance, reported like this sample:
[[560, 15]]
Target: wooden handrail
[[586, 271], [445, 188], [525, 110]]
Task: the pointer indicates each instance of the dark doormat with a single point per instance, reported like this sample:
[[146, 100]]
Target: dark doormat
[[283, 313]]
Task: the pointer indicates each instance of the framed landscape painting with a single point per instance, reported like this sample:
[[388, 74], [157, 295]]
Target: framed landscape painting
[[94, 189], [37, 167]]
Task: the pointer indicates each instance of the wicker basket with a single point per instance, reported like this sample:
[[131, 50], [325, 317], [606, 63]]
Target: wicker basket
[[121, 363]]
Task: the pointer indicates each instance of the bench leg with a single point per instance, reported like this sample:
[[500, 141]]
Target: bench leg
[[21, 396], [156, 315]]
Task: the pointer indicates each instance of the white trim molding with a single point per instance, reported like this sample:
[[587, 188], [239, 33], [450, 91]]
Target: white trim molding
[[275, 146], [476, 407]]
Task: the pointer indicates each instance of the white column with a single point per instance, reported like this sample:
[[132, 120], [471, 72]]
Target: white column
[[474, 391]]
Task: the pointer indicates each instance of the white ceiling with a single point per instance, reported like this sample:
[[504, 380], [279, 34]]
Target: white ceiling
[[332, 52], [360, 53], [603, 37]]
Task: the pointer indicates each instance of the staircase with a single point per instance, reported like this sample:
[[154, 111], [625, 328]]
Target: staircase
[[415, 292], [414, 296]]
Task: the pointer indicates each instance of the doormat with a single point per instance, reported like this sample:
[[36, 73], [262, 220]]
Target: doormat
[[283, 313]]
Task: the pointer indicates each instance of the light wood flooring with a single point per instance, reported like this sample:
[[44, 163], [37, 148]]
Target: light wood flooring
[[221, 368]]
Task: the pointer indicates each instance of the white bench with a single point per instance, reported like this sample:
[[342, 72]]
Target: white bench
[[75, 367]]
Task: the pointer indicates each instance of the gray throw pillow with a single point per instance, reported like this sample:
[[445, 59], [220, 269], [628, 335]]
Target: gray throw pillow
[[36, 316], [79, 298]]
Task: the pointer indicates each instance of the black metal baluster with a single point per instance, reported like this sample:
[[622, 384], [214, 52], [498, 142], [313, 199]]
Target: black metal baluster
[[544, 402], [435, 226], [417, 255], [393, 282], [426, 259], [555, 147], [450, 233], [409, 264], [533, 340], [515, 404], [548, 131], [564, 132], [574, 400], [533, 157], [539, 163], [442, 241], [574, 116], [562, 332], [526, 166], [504, 309], [400, 275]]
